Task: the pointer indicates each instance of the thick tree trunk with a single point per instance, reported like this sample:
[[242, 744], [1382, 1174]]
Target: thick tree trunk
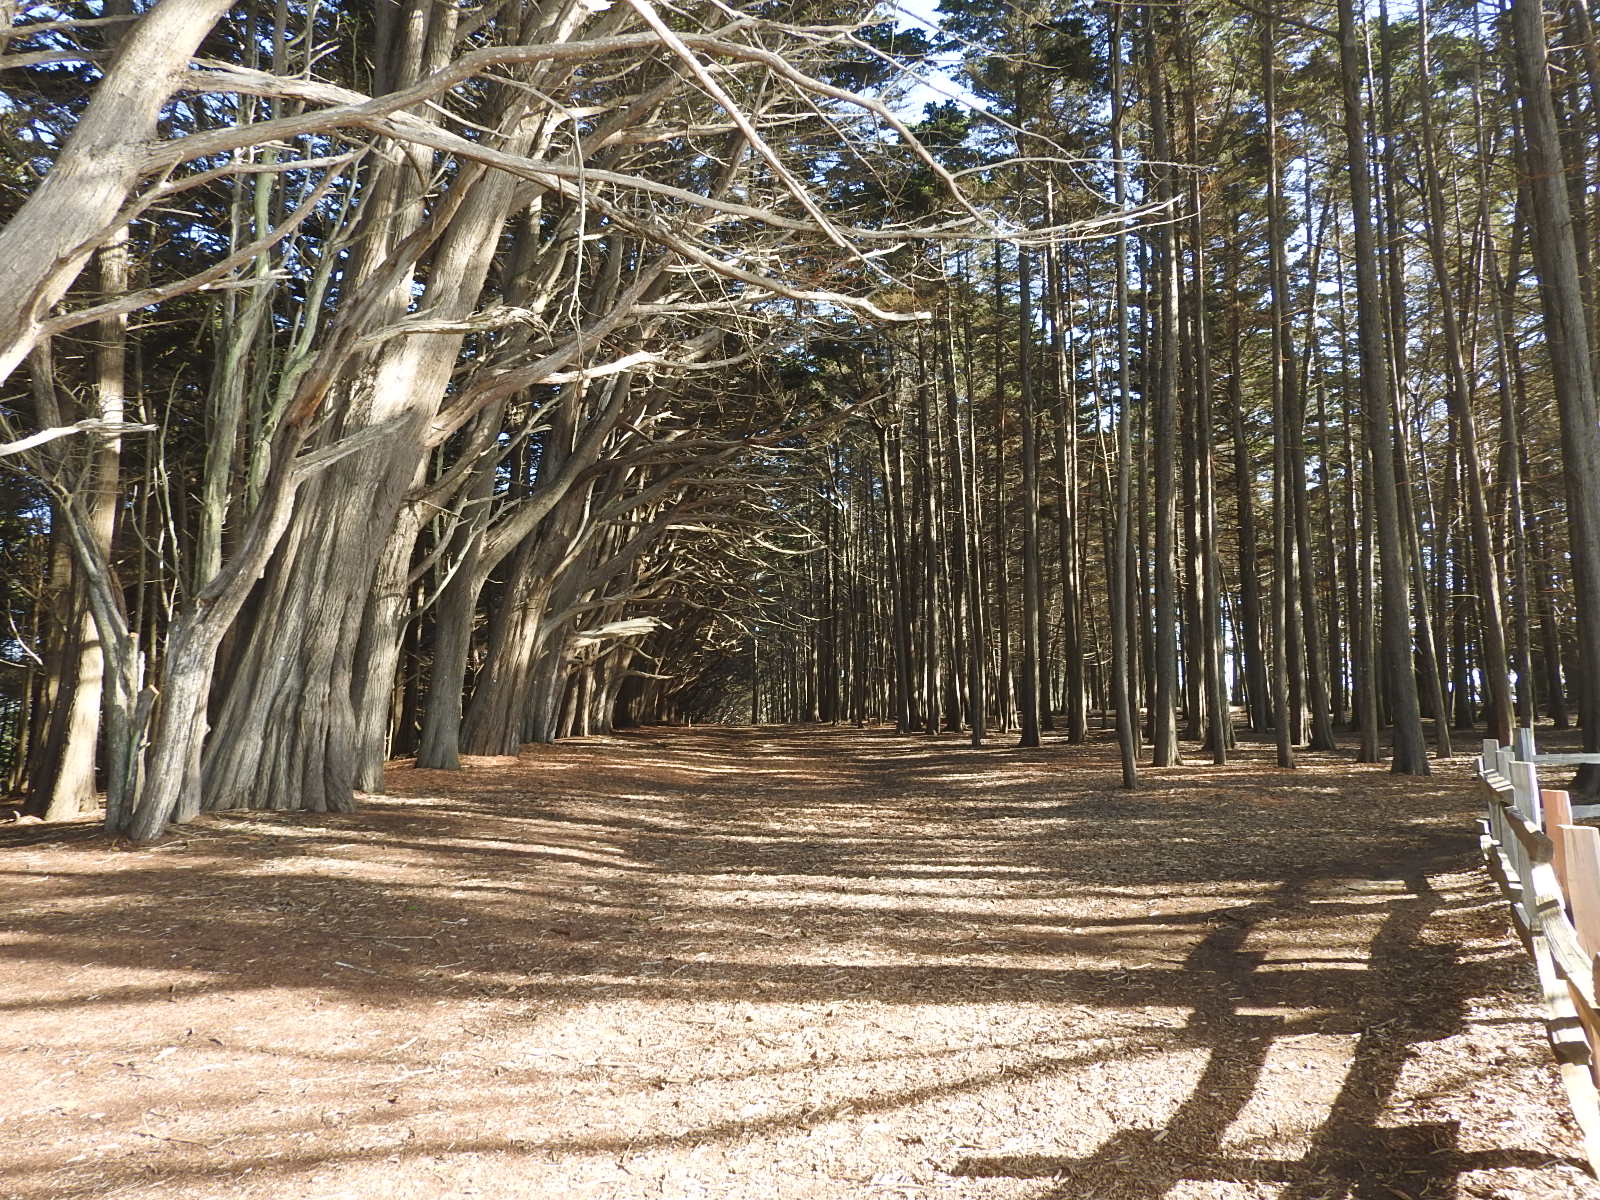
[[287, 730], [1567, 341], [377, 660]]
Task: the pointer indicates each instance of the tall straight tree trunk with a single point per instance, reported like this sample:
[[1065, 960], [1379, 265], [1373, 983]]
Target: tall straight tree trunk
[[1192, 586], [1003, 681], [1391, 223], [1164, 416], [1028, 688], [931, 655], [1251, 640], [1210, 633], [1358, 534], [1513, 506], [1143, 556], [895, 515], [1121, 610], [978, 637], [1282, 379], [1296, 384], [961, 552], [1410, 748], [1491, 624], [1547, 584], [1067, 494], [1426, 626], [67, 783]]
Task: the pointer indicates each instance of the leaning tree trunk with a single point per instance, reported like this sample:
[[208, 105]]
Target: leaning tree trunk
[[493, 721], [46, 243], [1567, 342], [286, 735], [286, 729], [67, 781]]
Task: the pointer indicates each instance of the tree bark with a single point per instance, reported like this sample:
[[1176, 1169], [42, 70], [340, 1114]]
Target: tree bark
[[73, 210], [1121, 609], [1410, 749], [1282, 379], [1164, 417], [1491, 614], [1567, 341]]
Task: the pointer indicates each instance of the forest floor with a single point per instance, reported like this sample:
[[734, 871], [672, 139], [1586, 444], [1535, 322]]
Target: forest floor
[[777, 963]]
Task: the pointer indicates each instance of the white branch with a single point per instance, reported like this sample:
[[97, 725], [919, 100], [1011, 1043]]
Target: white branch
[[92, 426]]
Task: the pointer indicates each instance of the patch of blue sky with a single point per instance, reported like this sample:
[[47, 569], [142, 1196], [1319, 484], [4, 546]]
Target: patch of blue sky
[[937, 80]]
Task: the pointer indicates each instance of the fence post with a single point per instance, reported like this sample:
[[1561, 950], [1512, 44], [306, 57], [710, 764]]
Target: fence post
[[1582, 844], [1582, 885], [1557, 812], [1522, 743], [1525, 799], [1575, 853], [1525, 787]]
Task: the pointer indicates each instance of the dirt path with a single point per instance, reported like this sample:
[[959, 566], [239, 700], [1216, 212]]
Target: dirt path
[[812, 963]]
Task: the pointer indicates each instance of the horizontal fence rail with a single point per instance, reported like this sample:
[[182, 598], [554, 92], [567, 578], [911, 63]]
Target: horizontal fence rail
[[1548, 868]]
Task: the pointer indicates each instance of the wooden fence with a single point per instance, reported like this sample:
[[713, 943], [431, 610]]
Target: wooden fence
[[1548, 867]]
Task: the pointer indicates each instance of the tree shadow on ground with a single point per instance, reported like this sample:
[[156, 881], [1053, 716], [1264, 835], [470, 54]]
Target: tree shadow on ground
[[800, 868]]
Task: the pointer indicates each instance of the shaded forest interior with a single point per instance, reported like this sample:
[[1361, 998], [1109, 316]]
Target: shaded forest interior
[[414, 380]]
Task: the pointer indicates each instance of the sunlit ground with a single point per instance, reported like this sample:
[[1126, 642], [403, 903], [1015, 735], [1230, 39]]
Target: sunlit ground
[[809, 962]]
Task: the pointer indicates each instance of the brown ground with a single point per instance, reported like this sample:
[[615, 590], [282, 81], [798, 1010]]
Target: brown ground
[[784, 963]]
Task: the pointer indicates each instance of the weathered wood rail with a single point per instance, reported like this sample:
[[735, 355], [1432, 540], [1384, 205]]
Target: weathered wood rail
[[1548, 867]]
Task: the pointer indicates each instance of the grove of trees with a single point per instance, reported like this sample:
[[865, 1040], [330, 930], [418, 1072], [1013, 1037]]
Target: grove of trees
[[424, 378]]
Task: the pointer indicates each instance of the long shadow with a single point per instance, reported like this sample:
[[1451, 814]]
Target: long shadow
[[1352, 1154], [555, 881]]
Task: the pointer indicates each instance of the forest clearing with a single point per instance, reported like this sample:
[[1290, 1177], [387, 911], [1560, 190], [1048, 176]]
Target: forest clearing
[[786, 962]]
